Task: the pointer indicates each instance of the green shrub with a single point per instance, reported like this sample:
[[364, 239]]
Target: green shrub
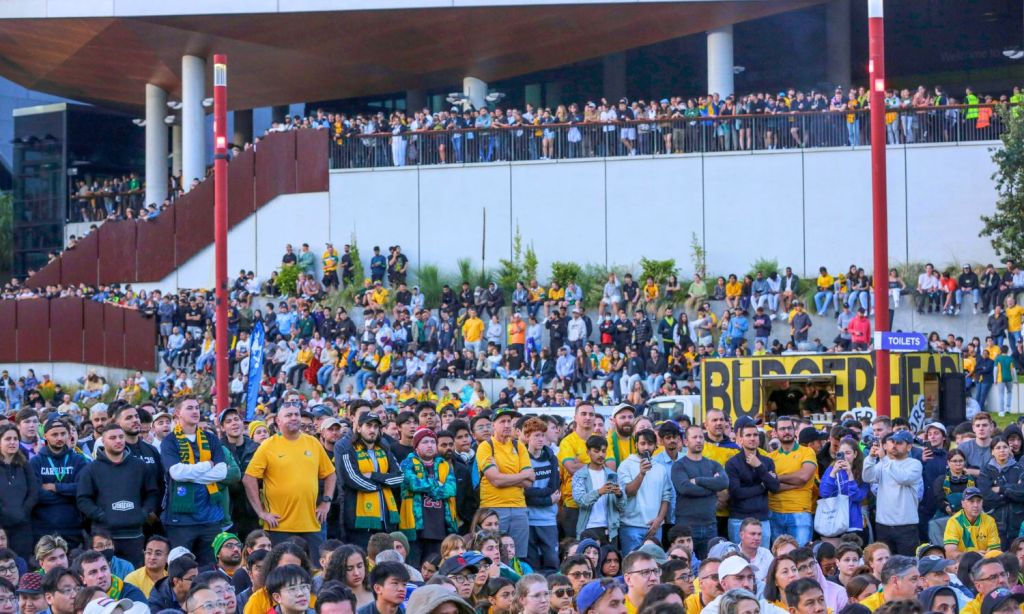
[[287, 276], [428, 278], [658, 269], [765, 266], [529, 264], [564, 272]]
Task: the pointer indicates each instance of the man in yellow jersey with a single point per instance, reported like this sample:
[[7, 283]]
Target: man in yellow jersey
[[291, 465], [330, 261], [797, 467], [572, 456], [707, 581], [900, 580], [970, 529], [620, 437], [505, 471], [988, 575], [472, 330]]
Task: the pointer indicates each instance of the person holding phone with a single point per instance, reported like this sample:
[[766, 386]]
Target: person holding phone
[[843, 477], [596, 490], [648, 489]]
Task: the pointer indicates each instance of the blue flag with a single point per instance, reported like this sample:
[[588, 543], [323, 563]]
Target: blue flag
[[252, 387]]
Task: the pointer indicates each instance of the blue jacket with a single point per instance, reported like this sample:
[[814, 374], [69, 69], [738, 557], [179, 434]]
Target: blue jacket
[[856, 491], [57, 512], [749, 486]]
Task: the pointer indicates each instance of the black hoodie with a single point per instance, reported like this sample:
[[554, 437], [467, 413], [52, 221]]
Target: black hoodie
[[118, 497]]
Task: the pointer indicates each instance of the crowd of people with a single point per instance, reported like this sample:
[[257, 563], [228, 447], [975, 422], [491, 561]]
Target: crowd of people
[[762, 120], [345, 507]]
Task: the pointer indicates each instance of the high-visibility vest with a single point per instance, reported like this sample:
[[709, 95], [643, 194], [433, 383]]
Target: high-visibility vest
[[984, 117], [972, 111]]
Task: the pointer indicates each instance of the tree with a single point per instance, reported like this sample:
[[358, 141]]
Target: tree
[[1005, 227]]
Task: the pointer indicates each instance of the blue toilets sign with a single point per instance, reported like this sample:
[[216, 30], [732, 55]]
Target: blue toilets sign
[[901, 342]]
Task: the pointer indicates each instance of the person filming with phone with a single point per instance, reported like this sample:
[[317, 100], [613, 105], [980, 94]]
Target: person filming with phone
[[843, 477], [648, 490]]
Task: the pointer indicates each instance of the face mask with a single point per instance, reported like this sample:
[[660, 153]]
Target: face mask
[[107, 554]]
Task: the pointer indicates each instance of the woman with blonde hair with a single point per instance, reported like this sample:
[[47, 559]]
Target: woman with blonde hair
[[453, 545], [485, 519], [532, 595]]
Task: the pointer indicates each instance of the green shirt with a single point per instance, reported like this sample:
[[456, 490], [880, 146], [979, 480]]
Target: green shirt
[[1004, 363]]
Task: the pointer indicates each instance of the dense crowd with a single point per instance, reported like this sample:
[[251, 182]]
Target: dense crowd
[[762, 120], [136, 507]]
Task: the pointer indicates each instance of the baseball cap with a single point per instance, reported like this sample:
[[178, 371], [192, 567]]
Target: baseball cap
[[30, 584], [454, 564], [971, 492], [995, 599], [54, 422], [732, 566], [178, 552], [928, 564], [507, 411], [743, 422], [369, 417], [592, 592], [224, 414], [935, 425], [923, 550], [107, 605], [328, 423], [722, 549], [810, 435], [902, 437], [623, 407], [475, 557]]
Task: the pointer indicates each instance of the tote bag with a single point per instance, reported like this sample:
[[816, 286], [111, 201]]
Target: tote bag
[[832, 518]]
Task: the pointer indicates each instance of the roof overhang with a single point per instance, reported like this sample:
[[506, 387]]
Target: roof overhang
[[284, 57]]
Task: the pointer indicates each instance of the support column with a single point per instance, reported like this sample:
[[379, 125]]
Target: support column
[[193, 126], [476, 90], [278, 113], [415, 100], [720, 61], [614, 73], [242, 133], [838, 70], [176, 150], [156, 145]]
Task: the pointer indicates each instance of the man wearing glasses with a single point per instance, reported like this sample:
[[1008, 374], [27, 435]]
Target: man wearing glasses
[[461, 572], [60, 587], [202, 600], [221, 585], [641, 573], [578, 569]]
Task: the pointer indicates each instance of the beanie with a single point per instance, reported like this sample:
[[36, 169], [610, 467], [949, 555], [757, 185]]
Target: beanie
[[255, 424], [219, 541], [420, 435]]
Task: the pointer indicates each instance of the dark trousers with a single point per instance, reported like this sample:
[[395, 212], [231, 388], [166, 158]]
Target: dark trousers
[[198, 538], [901, 539], [313, 541], [130, 549], [19, 539], [420, 549], [568, 518], [702, 534], [359, 537]]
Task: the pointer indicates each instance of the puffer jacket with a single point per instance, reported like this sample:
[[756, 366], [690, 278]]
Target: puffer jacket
[[1007, 505]]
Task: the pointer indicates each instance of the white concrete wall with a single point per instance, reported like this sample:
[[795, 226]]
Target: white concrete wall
[[804, 208]]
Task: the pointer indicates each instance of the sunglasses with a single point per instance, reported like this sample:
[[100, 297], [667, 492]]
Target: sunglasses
[[562, 593]]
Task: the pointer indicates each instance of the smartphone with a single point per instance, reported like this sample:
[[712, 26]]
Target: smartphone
[[645, 455], [840, 455]]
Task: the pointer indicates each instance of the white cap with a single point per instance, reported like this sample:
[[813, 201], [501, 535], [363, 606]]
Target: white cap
[[935, 425], [732, 566], [178, 552], [108, 606]]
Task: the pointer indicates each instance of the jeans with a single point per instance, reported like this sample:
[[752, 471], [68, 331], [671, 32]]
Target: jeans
[[975, 296], [653, 384], [543, 549], [516, 523], [797, 524], [702, 534], [822, 300], [766, 532], [1014, 338], [323, 376], [631, 538], [853, 133], [1005, 396], [361, 378], [982, 393]]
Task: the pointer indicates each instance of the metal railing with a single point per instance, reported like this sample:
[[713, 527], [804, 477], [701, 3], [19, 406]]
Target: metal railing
[[661, 136]]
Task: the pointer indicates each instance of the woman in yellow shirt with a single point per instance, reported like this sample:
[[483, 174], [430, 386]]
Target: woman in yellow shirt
[[651, 294]]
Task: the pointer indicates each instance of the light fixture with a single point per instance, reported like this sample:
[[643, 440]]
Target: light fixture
[[1014, 53], [736, 70], [170, 119], [139, 122], [494, 96], [207, 102], [175, 105]]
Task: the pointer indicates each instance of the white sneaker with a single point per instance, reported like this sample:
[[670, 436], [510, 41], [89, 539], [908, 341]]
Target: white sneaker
[[975, 309]]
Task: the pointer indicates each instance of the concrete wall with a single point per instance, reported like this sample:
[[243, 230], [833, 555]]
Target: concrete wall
[[804, 208]]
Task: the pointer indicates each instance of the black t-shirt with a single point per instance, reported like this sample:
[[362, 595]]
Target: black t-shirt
[[400, 451], [288, 259], [787, 402]]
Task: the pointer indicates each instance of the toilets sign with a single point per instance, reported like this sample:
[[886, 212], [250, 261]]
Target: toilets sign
[[901, 342]]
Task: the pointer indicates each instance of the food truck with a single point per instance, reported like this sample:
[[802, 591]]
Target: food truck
[[741, 386]]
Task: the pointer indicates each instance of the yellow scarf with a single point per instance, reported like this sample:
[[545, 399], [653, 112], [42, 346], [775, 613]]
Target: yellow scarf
[[187, 456], [368, 504]]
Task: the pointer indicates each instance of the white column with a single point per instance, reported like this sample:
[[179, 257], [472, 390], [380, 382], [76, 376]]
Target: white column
[[156, 145], [176, 150], [476, 90], [720, 62], [193, 135]]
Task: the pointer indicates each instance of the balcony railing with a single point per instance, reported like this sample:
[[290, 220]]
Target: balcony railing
[[671, 135]]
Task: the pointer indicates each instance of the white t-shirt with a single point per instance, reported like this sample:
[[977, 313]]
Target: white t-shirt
[[599, 513]]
